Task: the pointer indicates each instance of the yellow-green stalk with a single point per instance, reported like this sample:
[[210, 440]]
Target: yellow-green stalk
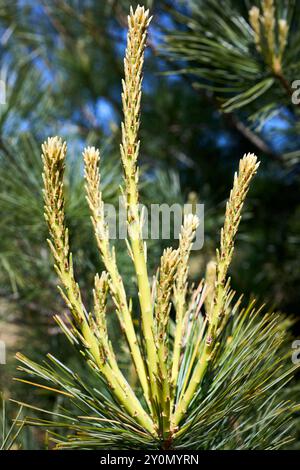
[[94, 198], [210, 279], [247, 169], [254, 18], [269, 40], [268, 20], [188, 230], [167, 271], [138, 22], [54, 153], [283, 30]]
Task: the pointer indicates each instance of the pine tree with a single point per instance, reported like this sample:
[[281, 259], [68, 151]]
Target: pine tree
[[40, 99], [243, 58], [247, 55], [215, 377]]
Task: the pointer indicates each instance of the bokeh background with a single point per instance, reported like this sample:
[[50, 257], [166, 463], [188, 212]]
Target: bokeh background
[[208, 98]]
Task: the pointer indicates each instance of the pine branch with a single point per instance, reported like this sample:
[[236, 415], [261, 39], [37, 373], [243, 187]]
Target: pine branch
[[54, 152], [131, 99], [189, 380], [247, 169], [240, 59], [94, 198]]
